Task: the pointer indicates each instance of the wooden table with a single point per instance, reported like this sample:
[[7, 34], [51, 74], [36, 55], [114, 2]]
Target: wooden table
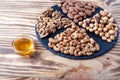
[[18, 17]]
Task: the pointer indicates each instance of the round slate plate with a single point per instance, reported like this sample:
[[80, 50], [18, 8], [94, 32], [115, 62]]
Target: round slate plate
[[104, 45]]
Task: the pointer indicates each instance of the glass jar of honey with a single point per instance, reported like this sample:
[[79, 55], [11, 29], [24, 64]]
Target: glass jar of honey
[[23, 45]]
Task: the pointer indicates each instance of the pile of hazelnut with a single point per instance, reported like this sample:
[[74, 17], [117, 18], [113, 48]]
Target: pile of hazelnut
[[102, 24], [74, 41], [49, 21], [77, 10]]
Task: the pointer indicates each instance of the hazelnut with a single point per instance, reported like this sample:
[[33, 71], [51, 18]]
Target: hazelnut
[[88, 20], [95, 28], [107, 35], [91, 25], [111, 19], [108, 27], [96, 24], [109, 15], [84, 25], [101, 34], [80, 23], [109, 40], [91, 30], [96, 32], [112, 37], [100, 29], [87, 28], [105, 29], [103, 13], [116, 28], [104, 38], [111, 31]]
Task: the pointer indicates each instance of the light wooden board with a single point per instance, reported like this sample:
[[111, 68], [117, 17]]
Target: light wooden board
[[18, 17]]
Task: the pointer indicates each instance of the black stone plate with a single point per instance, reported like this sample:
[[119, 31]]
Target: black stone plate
[[104, 45]]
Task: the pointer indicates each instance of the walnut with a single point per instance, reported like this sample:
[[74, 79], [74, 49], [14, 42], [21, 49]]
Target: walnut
[[49, 21]]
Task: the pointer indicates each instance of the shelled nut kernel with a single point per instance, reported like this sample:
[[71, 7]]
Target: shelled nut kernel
[[102, 24], [49, 21], [74, 41], [77, 10]]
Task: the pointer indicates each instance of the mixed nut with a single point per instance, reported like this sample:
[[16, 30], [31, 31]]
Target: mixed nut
[[77, 10], [102, 24], [74, 41], [49, 21]]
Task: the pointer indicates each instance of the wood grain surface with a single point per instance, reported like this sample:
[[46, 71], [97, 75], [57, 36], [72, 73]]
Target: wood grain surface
[[18, 17]]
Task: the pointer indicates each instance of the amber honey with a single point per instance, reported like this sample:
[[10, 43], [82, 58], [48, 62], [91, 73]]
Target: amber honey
[[24, 45]]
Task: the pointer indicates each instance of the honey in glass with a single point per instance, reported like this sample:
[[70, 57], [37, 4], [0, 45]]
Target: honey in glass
[[23, 45]]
